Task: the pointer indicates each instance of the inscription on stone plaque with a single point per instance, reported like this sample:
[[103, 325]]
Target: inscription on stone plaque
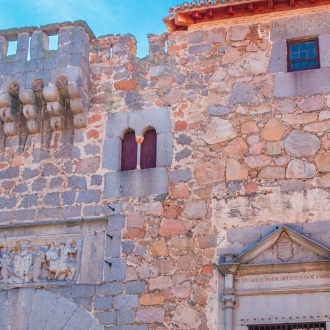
[[39, 259]]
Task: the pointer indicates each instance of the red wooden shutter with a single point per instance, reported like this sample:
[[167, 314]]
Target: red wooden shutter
[[149, 149], [129, 152]]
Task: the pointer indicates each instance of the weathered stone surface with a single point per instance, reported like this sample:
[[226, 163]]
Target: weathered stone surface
[[207, 241], [300, 144], [219, 130], [236, 147], [323, 162], [172, 212], [186, 316], [273, 148], [196, 37], [323, 115], [258, 63], [155, 209], [212, 171], [286, 106], [160, 248], [150, 299], [88, 165], [231, 56], [251, 188], [218, 111], [194, 209], [298, 169], [180, 175], [182, 291], [160, 283], [216, 35], [180, 191], [125, 85], [324, 181], [237, 33], [135, 220], [241, 94], [319, 127], [298, 119], [273, 131], [272, 172], [183, 243], [173, 227], [249, 127], [312, 104], [150, 315], [257, 162], [236, 171]]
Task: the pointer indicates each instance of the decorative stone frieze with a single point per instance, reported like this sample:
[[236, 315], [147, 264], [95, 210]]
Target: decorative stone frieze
[[39, 259]]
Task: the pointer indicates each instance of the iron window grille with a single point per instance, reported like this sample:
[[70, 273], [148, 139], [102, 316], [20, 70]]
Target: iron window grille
[[289, 326], [303, 54]]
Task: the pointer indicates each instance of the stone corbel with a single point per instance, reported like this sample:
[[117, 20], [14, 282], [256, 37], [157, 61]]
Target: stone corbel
[[30, 110], [55, 107], [9, 114], [78, 105]]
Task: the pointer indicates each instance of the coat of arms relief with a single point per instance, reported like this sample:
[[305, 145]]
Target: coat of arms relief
[[39, 259]]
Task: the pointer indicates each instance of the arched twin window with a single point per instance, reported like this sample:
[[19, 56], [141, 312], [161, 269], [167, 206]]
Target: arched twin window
[[135, 155]]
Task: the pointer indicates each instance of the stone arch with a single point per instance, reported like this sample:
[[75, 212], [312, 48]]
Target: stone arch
[[36, 309]]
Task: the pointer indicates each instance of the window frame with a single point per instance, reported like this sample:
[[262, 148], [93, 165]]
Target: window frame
[[144, 148], [126, 163], [302, 41]]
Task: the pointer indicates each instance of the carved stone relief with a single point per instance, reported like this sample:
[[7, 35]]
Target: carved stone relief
[[284, 248], [35, 260]]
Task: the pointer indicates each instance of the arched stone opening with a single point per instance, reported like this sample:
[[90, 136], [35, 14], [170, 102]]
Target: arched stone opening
[[36, 309]]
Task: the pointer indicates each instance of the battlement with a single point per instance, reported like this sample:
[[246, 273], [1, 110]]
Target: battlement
[[37, 79]]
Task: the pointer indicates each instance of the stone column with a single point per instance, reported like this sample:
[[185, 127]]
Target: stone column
[[228, 304], [229, 300], [139, 140]]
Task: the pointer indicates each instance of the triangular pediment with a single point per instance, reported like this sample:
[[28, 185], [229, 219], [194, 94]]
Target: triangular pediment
[[284, 246]]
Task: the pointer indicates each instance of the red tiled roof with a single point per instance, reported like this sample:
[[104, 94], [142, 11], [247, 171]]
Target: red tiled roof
[[181, 16]]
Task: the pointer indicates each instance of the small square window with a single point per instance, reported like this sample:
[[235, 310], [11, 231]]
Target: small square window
[[303, 54]]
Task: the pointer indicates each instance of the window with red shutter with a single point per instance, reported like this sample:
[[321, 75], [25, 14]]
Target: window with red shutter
[[129, 152], [149, 149]]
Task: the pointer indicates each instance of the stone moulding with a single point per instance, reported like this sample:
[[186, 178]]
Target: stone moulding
[[26, 261]]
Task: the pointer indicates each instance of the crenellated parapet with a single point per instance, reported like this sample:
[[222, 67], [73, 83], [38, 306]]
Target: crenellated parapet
[[38, 83]]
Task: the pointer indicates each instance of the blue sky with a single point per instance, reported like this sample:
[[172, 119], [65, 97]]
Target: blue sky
[[138, 17]]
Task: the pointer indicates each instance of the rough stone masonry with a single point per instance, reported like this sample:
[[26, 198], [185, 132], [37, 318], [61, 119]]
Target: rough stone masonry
[[242, 149]]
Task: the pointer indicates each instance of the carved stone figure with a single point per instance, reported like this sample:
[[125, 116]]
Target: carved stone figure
[[61, 266], [5, 265]]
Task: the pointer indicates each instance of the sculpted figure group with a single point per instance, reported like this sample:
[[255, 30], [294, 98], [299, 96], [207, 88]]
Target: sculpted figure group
[[29, 263]]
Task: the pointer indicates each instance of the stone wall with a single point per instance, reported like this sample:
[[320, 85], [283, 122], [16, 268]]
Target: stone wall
[[242, 162]]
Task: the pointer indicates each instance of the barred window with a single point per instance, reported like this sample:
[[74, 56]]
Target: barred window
[[290, 326], [303, 54]]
